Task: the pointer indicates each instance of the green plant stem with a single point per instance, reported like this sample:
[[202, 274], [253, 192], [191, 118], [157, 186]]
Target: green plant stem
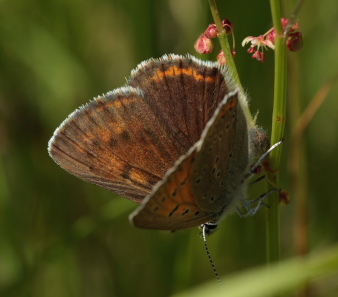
[[278, 125], [230, 62], [223, 40]]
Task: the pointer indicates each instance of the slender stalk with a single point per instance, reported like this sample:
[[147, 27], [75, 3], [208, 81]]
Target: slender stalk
[[223, 40], [230, 62], [278, 126]]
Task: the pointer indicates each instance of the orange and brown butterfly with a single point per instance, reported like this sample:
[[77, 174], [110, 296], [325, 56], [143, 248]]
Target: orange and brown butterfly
[[175, 139]]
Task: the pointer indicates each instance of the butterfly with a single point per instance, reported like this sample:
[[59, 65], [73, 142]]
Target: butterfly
[[176, 138]]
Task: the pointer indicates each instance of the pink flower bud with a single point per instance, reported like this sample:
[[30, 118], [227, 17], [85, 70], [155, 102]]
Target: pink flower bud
[[251, 49], [294, 28], [295, 42], [256, 55], [271, 36], [284, 22], [262, 58], [259, 56], [211, 31], [221, 58], [204, 44], [228, 26]]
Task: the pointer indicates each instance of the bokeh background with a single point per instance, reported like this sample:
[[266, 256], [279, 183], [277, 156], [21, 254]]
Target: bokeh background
[[60, 236]]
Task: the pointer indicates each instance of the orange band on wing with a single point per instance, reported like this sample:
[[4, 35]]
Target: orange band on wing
[[175, 71]]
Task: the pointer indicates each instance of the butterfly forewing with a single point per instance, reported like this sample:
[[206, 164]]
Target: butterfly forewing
[[113, 142], [126, 140], [184, 92]]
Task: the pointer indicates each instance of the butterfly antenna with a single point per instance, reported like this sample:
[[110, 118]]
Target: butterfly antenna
[[209, 256]]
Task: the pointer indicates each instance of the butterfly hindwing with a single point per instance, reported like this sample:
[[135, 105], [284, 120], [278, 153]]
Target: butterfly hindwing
[[171, 205], [222, 158]]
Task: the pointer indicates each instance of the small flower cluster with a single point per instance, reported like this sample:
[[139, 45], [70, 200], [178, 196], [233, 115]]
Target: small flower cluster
[[258, 44], [204, 44]]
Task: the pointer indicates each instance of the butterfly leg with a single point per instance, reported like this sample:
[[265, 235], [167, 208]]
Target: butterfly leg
[[248, 204], [257, 180]]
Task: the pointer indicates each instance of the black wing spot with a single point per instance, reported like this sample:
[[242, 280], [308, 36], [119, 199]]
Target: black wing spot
[[230, 155], [174, 210], [212, 198], [218, 174], [196, 213], [217, 159], [125, 135], [185, 212], [126, 172], [151, 182], [198, 180], [96, 142]]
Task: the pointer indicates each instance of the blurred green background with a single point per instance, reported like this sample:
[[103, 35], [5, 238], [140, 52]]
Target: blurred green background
[[60, 236]]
